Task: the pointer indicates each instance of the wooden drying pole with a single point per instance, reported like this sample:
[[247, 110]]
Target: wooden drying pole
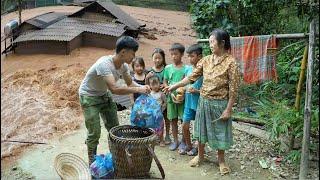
[[307, 108], [278, 36]]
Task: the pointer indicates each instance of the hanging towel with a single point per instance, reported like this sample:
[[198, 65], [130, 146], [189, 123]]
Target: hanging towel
[[256, 56]]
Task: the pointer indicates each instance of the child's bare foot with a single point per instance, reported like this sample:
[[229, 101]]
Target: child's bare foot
[[224, 168], [162, 144]]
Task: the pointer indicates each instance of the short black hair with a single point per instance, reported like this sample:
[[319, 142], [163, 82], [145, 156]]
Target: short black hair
[[222, 35], [126, 42], [153, 79], [177, 46], [194, 48], [138, 60]]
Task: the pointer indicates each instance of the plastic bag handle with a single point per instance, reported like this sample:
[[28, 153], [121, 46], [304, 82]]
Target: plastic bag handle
[[157, 161]]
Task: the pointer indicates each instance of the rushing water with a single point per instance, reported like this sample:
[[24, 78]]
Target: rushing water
[[29, 113]]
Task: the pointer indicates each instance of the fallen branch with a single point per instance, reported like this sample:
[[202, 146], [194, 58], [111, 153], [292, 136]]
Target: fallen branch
[[248, 120], [252, 130], [26, 142]]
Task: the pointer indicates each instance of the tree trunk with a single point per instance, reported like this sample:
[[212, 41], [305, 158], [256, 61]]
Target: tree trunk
[[307, 109]]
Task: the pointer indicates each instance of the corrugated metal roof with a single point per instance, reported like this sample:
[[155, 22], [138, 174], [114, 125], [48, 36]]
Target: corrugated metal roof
[[121, 15], [90, 25], [115, 11], [49, 34], [44, 20], [69, 28], [98, 16]]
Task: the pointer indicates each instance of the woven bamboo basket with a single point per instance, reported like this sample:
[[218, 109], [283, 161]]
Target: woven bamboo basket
[[132, 149]]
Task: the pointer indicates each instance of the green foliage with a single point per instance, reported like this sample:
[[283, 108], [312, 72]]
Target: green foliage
[[207, 15], [247, 17], [279, 117], [282, 119], [8, 6], [294, 156]]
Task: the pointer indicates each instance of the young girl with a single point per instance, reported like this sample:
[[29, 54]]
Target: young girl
[[139, 76], [156, 93], [221, 76], [158, 58]]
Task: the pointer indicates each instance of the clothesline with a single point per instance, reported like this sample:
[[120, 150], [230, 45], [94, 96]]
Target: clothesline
[[278, 36]]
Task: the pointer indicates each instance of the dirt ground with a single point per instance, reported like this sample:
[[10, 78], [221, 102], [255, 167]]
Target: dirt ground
[[39, 103], [37, 161]]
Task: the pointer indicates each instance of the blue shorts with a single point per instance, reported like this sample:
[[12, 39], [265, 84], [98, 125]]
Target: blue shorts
[[188, 114]]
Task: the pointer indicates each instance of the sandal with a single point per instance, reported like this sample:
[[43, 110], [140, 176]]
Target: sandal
[[173, 146], [193, 152], [162, 144], [167, 140], [195, 162], [224, 169], [182, 148], [184, 151]]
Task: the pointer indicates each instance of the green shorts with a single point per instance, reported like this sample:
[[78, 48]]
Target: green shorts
[[174, 111], [96, 108]]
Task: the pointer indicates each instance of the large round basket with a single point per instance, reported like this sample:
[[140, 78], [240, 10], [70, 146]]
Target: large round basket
[[70, 166], [132, 150]]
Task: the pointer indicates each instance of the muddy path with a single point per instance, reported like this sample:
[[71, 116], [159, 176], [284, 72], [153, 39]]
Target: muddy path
[[243, 158], [38, 161]]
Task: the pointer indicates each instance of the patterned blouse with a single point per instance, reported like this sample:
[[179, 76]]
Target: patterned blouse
[[221, 77]]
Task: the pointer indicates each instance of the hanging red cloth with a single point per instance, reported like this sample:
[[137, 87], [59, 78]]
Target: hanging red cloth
[[256, 56]]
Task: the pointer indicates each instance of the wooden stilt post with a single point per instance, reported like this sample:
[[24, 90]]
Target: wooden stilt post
[[20, 10], [307, 108], [5, 45]]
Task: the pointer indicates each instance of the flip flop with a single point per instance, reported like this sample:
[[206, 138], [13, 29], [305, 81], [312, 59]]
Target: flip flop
[[173, 146], [193, 152], [195, 162], [182, 152], [167, 140], [224, 170], [182, 148], [162, 144]]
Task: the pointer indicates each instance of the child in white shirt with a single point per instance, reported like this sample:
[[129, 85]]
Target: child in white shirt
[[156, 93]]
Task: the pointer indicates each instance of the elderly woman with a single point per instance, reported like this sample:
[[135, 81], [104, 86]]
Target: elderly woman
[[221, 79]]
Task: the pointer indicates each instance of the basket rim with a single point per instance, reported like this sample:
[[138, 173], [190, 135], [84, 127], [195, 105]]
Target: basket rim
[[132, 127]]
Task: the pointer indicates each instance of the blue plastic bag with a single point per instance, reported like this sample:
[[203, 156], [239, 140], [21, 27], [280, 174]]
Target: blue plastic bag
[[146, 112], [102, 166]]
